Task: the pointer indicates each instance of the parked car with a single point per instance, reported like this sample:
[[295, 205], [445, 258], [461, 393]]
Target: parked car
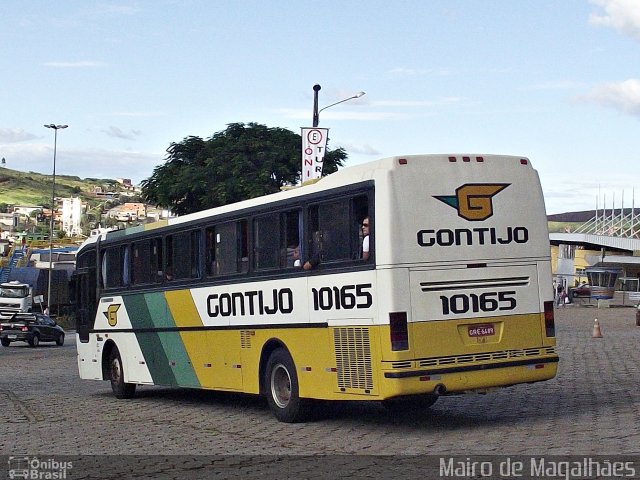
[[583, 290], [32, 328]]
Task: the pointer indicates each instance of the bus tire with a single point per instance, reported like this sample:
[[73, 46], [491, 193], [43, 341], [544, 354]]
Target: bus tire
[[281, 381], [120, 388]]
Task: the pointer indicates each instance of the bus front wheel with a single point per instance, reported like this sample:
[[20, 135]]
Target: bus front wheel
[[281, 381], [120, 388]]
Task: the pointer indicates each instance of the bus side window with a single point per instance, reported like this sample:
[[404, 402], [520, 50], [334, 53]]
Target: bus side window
[[232, 247], [335, 230], [243, 245], [155, 264], [183, 255], [112, 263], [126, 263], [137, 276], [211, 265], [290, 235], [363, 228], [266, 241]]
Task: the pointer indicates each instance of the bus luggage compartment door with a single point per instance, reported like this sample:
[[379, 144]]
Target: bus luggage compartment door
[[457, 293]]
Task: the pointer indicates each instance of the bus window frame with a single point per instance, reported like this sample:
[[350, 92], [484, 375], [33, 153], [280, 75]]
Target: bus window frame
[[302, 204]]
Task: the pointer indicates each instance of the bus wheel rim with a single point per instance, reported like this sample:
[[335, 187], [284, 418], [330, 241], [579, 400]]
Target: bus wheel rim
[[115, 370], [280, 386]]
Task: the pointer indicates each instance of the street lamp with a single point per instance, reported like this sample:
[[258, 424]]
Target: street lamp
[[53, 200], [316, 112]]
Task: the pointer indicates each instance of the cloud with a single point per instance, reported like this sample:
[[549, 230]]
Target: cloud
[[81, 64], [622, 15], [624, 96], [357, 149], [14, 135], [118, 133]]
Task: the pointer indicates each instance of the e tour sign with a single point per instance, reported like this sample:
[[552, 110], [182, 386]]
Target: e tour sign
[[314, 142]]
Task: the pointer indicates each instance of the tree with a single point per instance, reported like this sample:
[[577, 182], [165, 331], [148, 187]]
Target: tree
[[241, 162]]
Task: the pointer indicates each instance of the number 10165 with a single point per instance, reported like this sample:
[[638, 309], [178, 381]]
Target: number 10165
[[476, 303]]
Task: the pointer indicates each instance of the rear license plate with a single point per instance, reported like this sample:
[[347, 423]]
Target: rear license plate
[[11, 337], [482, 330]]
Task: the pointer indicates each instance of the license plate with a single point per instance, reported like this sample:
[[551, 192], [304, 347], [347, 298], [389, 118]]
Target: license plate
[[482, 330], [11, 337]]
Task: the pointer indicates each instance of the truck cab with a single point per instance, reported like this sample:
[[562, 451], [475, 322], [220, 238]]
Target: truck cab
[[16, 296]]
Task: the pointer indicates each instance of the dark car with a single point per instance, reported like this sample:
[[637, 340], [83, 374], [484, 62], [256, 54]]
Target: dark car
[[583, 290], [32, 328]]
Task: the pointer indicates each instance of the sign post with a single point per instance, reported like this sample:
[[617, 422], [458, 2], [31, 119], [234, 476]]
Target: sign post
[[314, 143]]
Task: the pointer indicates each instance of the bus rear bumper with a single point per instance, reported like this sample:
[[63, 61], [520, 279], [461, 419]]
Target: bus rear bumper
[[463, 378]]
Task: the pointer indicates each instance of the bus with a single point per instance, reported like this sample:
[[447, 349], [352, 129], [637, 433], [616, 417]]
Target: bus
[[455, 296]]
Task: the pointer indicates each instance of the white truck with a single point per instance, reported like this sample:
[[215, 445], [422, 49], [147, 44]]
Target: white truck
[[16, 296]]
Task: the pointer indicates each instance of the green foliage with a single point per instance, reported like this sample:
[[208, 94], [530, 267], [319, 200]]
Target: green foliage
[[563, 227], [31, 188], [241, 162]]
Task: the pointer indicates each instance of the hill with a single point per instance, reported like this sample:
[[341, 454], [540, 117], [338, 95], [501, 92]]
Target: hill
[[580, 217], [31, 188]]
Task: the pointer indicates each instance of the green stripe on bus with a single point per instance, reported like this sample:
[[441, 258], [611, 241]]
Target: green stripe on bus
[[174, 348], [171, 365], [149, 341]]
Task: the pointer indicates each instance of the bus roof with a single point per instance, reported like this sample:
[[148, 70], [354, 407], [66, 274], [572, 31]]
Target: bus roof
[[346, 176]]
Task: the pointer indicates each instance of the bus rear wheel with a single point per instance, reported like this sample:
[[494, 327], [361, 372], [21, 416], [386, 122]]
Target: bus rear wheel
[[281, 382], [120, 388]]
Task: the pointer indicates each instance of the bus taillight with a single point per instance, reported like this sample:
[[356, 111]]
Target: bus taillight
[[398, 331], [549, 319]]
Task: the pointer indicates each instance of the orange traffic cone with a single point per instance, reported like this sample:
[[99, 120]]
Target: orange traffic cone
[[596, 329]]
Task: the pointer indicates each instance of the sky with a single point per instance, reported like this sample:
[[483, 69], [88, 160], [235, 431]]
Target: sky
[[555, 81]]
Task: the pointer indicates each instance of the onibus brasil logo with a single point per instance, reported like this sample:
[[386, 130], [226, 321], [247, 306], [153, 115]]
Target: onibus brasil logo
[[473, 200]]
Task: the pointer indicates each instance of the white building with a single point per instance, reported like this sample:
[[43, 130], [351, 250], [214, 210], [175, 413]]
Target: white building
[[71, 213]]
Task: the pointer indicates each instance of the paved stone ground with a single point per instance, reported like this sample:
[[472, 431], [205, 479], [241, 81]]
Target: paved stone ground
[[591, 408]]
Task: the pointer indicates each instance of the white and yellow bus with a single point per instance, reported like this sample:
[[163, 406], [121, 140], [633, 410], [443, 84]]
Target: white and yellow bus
[[455, 295]]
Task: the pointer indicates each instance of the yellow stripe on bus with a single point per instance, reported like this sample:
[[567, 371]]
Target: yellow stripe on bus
[[184, 313]]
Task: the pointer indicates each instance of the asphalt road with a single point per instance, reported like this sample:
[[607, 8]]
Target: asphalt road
[[591, 408]]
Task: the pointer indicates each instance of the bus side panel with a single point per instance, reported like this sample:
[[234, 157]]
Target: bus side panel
[[214, 355], [160, 343]]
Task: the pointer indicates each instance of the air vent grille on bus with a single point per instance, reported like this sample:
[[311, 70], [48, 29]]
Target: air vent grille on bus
[[486, 357], [245, 338], [353, 357], [401, 365]]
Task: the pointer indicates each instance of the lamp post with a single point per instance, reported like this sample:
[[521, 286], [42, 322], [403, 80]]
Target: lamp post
[[53, 201], [316, 112]]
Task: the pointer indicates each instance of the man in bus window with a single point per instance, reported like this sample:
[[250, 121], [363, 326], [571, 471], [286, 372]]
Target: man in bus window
[[293, 256], [365, 238], [316, 251]]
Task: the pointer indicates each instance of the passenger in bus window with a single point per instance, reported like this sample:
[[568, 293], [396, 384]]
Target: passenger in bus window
[[365, 238], [293, 256], [169, 273], [316, 251]]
